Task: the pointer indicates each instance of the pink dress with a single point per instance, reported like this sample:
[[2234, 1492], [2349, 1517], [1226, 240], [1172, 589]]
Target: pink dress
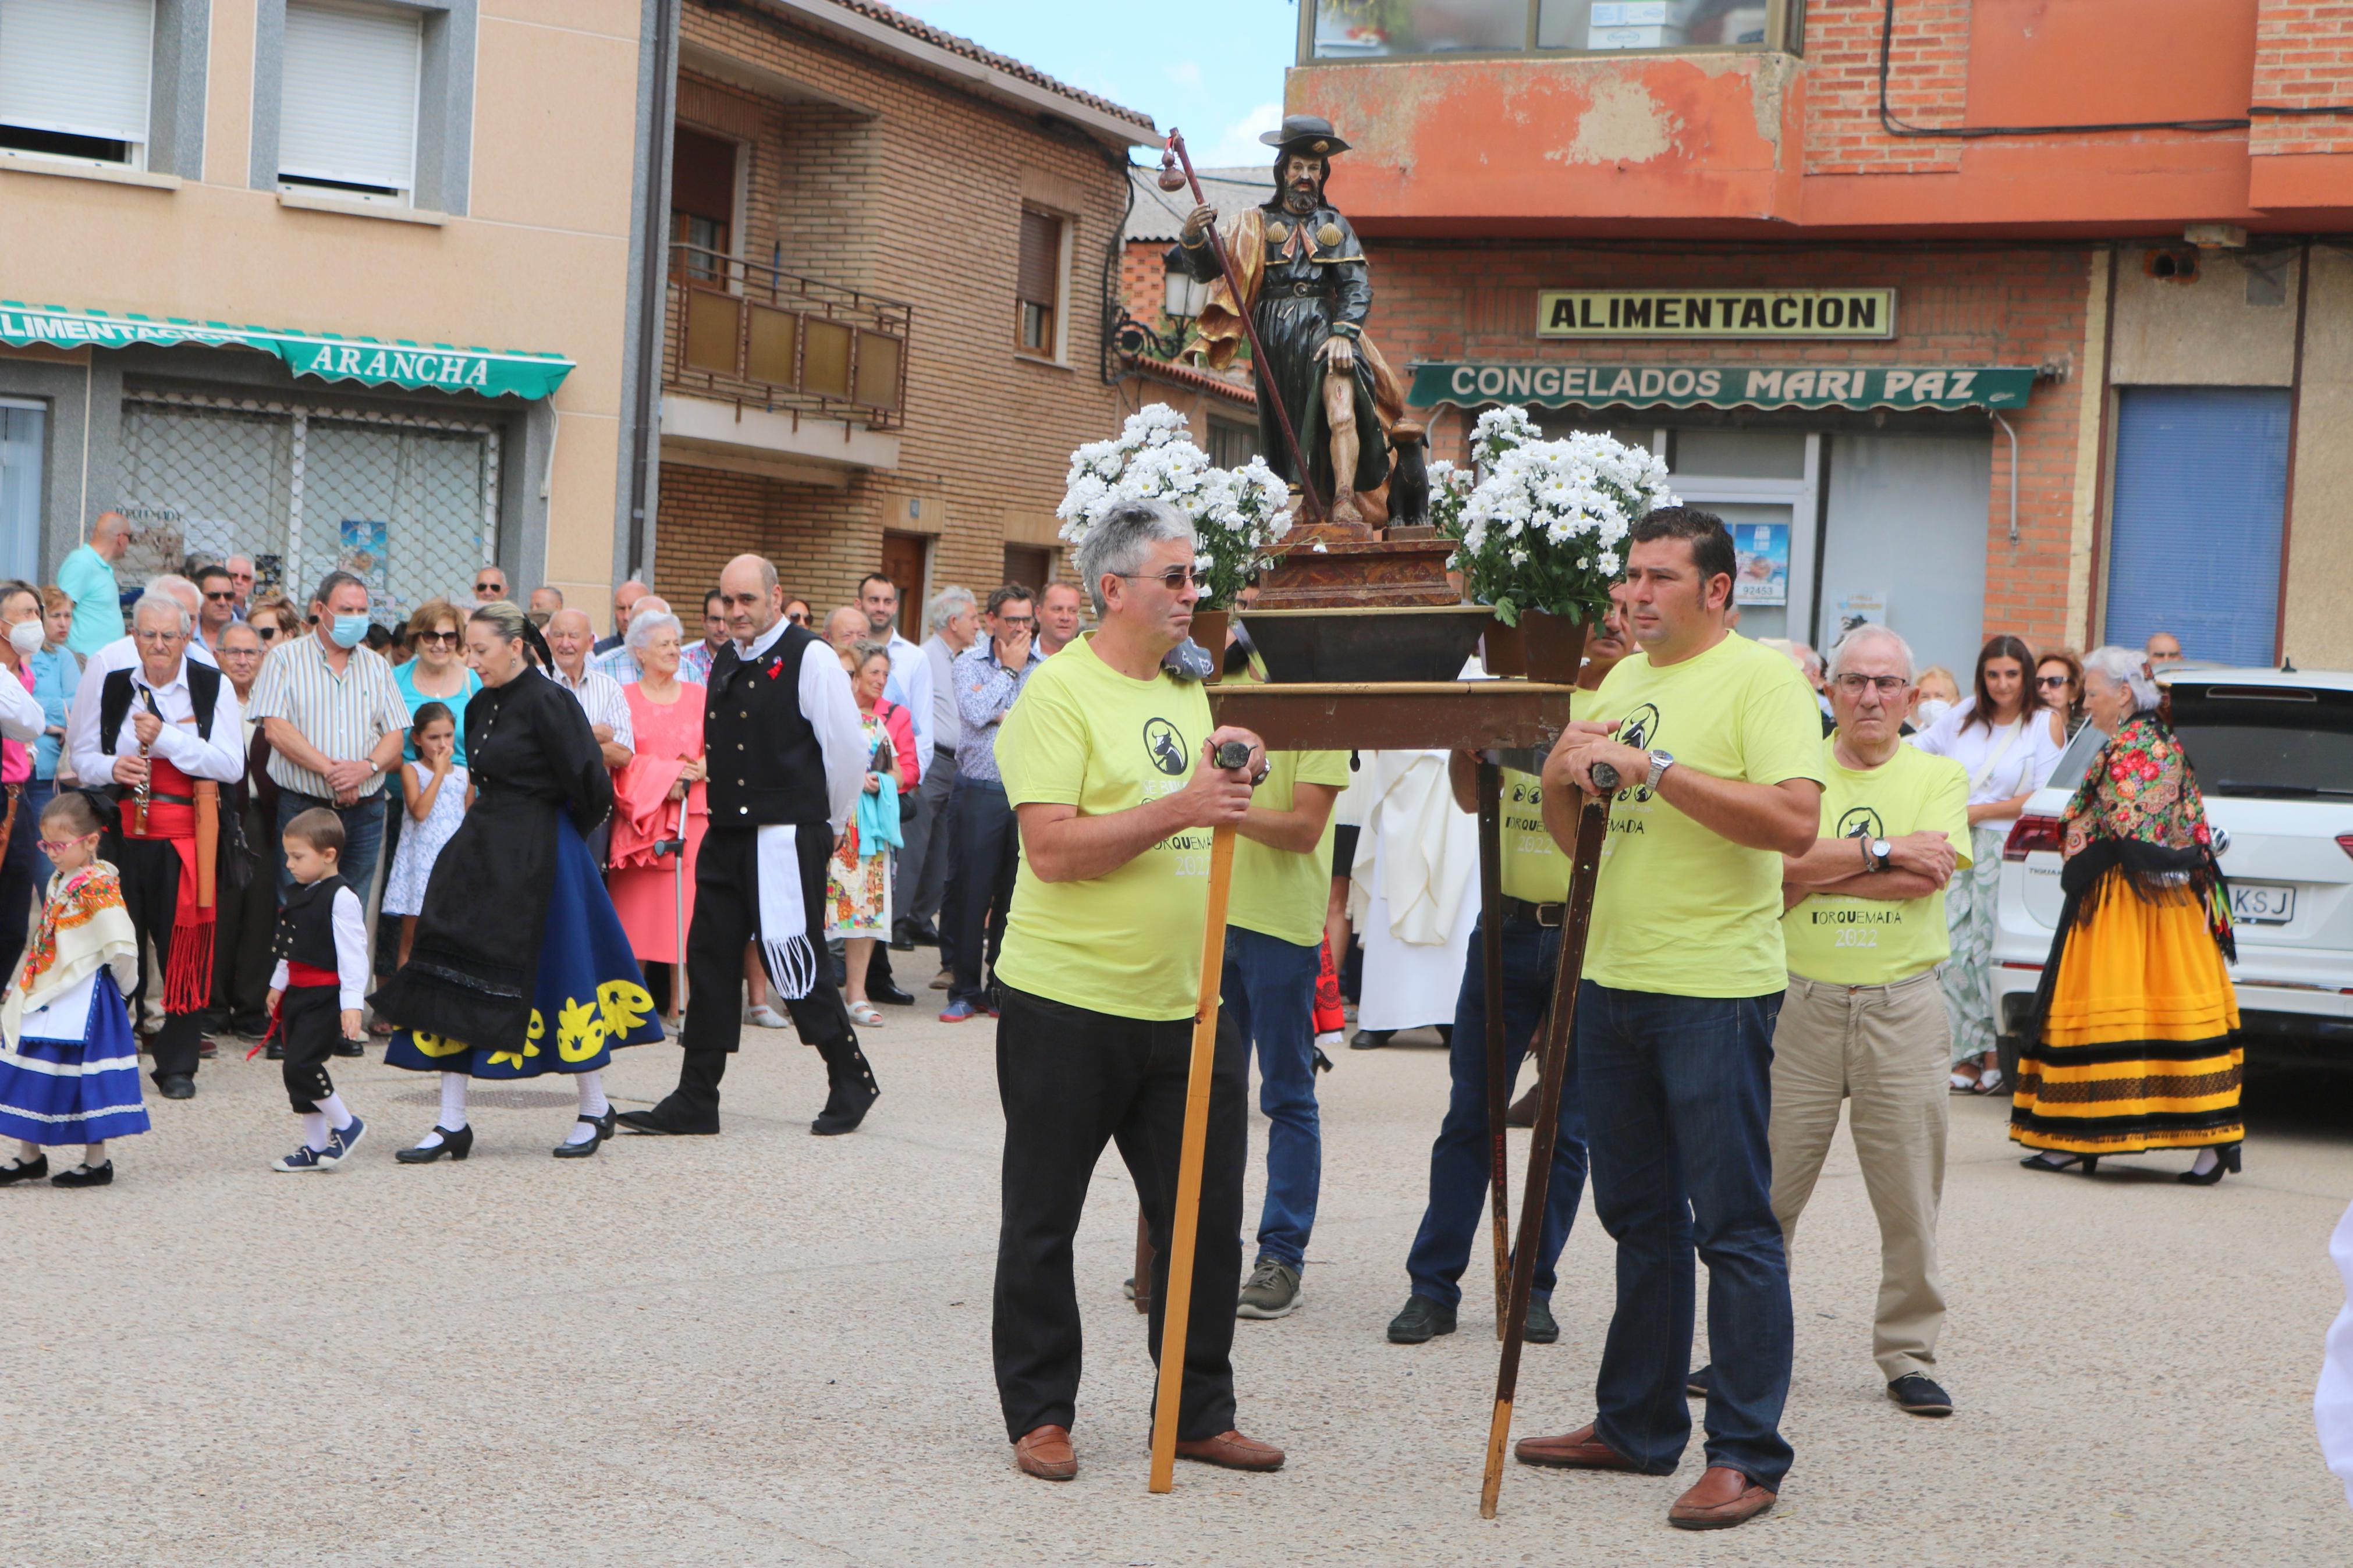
[[646, 887]]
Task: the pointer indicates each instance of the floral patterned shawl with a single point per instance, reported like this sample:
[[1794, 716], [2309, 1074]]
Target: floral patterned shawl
[[2138, 812], [84, 925]]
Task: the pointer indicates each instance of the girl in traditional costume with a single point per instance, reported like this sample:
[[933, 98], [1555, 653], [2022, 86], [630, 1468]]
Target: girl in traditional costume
[[518, 967], [69, 1061]]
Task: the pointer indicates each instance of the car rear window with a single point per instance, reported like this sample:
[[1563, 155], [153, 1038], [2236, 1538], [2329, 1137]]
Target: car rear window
[[2280, 742]]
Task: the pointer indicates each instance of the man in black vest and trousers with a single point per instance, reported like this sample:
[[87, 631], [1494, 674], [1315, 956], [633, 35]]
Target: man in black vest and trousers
[[152, 730], [788, 758]]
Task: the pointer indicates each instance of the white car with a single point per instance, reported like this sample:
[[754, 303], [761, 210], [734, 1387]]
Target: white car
[[2274, 754]]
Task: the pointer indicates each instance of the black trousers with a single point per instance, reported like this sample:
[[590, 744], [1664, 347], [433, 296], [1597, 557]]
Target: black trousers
[[726, 917], [1070, 1080], [150, 892], [22, 872], [310, 1020], [988, 855], [247, 920]]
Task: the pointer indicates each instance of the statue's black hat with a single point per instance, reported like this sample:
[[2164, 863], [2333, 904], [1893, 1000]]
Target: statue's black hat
[[1309, 133]]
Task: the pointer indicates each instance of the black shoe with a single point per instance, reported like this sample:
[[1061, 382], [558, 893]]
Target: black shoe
[[85, 1176], [31, 1170], [854, 1091], [1543, 1327], [672, 1118], [350, 1049], [581, 1151], [2090, 1163], [176, 1086], [456, 1145], [1698, 1381], [921, 934], [2226, 1158], [273, 1052], [1422, 1321], [1369, 1039], [890, 994], [1916, 1394], [250, 1028]]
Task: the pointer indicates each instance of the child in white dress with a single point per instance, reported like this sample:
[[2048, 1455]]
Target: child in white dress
[[436, 794]]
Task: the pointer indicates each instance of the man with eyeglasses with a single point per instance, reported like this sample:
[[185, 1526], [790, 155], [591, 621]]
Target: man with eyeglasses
[[490, 585], [988, 678], [1863, 1020], [217, 611], [154, 727], [241, 578]]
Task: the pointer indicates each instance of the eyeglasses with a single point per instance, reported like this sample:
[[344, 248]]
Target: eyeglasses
[[1887, 685], [2048, 681], [1017, 622], [443, 639], [221, 596], [159, 637], [52, 848], [800, 620], [1177, 579], [266, 632], [490, 591]]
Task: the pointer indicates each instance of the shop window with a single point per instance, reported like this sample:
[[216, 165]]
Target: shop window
[[1231, 443], [75, 79], [1038, 291], [702, 204], [1362, 29], [23, 424], [1031, 566], [348, 100]]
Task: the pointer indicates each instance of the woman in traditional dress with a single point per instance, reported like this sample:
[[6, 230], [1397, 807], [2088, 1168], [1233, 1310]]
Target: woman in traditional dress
[[2129, 1048], [659, 798], [2008, 744], [858, 878], [520, 966]]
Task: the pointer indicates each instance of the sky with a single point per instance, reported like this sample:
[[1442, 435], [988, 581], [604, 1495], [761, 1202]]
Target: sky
[[1213, 69]]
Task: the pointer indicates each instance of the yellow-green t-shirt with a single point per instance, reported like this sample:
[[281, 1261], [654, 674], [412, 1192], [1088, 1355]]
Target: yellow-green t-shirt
[[1128, 943], [1847, 941], [1681, 910], [1535, 870], [1281, 893]]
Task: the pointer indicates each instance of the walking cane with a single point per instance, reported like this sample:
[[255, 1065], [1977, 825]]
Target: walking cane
[[1490, 969], [675, 850], [1178, 1309], [1592, 827]]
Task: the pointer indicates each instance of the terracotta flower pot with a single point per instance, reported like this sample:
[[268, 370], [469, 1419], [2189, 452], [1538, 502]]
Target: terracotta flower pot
[[1209, 631], [1504, 650], [1556, 647]]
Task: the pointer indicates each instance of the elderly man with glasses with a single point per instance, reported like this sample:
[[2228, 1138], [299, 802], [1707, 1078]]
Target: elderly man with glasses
[[988, 678], [490, 585], [249, 911], [241, 579], [152, 730]]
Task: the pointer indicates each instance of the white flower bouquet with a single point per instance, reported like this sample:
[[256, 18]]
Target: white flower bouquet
[[1237, 514], [1544, 526]]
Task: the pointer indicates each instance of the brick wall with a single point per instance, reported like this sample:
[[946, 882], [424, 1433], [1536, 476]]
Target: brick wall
[[1958, 308], [1928, 84], [903, 187], [2303, 59]]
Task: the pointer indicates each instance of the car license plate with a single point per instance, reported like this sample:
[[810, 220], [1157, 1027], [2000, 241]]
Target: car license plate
[[2262, 903]]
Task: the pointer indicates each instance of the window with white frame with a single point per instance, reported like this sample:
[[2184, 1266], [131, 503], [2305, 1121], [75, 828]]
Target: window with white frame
[[75, 79], [348, 99]]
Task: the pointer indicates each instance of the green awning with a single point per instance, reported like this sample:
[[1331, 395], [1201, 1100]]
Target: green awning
[[1557, 385], [434, 367]]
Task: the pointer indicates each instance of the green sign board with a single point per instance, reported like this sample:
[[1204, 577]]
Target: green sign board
[[433, 367], [1555, 385]]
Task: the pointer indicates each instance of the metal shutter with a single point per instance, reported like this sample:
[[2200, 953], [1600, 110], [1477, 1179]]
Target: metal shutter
[[77, 67], [1041, 259], [348, 103], [2200, 494]]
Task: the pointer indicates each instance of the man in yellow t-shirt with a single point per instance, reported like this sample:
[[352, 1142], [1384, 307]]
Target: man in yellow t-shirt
[[1536, 884], [1716, 744], [1864, 1018], [1106, 762]]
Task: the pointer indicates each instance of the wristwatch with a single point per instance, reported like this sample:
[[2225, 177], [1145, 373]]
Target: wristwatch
[[1876, 852], [1660, 763]]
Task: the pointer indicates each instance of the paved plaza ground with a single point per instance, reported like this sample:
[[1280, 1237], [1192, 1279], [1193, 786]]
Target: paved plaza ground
[[766, 1347]]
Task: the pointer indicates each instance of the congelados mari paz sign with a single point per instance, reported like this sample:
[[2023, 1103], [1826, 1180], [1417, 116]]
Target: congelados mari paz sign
[[1716, 313], [1560, 385]]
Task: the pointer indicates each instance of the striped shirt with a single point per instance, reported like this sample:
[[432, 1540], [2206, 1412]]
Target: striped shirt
[[620, 663], [600, 697], [341, 716]]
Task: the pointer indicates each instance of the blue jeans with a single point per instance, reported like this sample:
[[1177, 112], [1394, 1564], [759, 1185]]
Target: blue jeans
[[1678, 1093], [1269, 991], [1459, 1170], [362, 837]]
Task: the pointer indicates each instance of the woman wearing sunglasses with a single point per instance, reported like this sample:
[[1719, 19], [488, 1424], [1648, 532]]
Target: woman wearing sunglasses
[[2059, 686]]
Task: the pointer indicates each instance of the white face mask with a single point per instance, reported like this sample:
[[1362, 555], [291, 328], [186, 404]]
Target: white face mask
[[27, 637]]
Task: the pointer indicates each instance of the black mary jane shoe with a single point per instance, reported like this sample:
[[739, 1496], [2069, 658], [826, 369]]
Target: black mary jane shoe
[[582, 1150], [456, 1145], [2090, 1163], [99, 1175], [31, 1170], [2226, 1158]]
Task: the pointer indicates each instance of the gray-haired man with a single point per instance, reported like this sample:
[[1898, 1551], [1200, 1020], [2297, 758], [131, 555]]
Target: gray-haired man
[[928, 852]]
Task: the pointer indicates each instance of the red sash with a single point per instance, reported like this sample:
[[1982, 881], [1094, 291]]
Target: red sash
[[297, 973], [188, 972]]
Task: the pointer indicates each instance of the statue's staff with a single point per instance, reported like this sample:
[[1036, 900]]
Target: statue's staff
[[1172, 154]]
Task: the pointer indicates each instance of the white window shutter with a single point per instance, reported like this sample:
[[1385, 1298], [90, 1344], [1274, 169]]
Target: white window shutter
[[348, 106], [77, 67]]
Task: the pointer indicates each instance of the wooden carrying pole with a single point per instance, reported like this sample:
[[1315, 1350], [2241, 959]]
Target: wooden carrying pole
[[1490, 971], [1560, 1019], [207, 799], [1177, 1311]]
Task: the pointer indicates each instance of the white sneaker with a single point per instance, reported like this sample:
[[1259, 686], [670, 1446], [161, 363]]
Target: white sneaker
[[767, 1017]]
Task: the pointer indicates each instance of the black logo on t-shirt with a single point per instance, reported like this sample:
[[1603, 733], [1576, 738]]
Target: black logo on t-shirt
[[1639, 729], [1860, 822], [1166, 746]]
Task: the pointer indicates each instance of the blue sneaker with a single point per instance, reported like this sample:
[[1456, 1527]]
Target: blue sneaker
[[339, 1143], [304, 1158], [957, 1012]]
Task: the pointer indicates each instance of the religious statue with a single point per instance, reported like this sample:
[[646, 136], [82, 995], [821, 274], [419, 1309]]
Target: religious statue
[[1304, 280]]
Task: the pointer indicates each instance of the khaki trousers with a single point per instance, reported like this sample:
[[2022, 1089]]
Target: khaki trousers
[[1888, 1050]]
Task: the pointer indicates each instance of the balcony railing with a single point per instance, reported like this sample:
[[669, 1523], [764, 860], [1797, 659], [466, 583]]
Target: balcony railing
[[755, 336]]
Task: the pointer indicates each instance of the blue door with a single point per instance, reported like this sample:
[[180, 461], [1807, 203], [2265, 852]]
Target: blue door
[[2201, 502]]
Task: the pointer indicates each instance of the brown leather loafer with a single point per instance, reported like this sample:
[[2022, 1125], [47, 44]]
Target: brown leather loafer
[[1582, 1449], [1046, 1453], [1233, 1451], [1718, 1501]]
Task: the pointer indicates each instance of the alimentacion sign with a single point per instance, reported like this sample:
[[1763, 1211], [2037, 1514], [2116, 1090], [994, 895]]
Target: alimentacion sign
[[436, 367], [1555, 385], [1716, 313]]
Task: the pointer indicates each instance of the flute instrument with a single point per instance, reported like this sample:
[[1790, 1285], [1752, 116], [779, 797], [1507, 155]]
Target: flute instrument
[[139, 792]]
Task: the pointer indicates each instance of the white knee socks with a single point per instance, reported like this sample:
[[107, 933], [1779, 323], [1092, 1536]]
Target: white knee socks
[[338, 1114], [314, 1131], [592, 1103], [453, 1110]]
